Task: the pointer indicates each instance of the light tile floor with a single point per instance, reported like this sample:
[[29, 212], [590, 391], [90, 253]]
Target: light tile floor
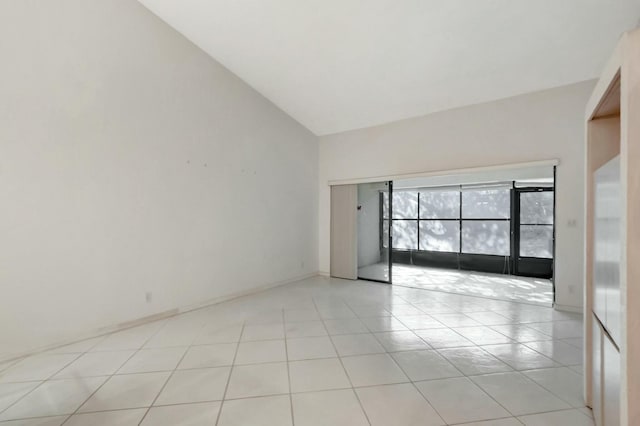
[[317, 352], [496, 286]]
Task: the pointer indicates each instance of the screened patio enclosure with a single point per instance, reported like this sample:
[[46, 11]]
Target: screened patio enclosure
[[417, 234]]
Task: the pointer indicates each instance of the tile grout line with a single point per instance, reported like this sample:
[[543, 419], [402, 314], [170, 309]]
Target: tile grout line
[[233, 364], [168, 379], [414, 385], [286, 352], [111, 375], [42, 382], [353, 390]]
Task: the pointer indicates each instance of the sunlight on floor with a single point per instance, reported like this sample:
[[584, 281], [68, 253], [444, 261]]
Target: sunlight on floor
[[506, 287]]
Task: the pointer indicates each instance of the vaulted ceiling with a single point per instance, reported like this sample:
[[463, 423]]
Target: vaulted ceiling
[[338, 65]]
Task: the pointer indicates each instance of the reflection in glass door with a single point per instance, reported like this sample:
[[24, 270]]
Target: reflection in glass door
[[374, 205]]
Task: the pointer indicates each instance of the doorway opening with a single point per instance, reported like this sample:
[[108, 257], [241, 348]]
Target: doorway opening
[[486, 234]]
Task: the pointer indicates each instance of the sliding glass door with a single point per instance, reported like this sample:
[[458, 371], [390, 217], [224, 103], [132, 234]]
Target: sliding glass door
[[374, 236], [504, 228]]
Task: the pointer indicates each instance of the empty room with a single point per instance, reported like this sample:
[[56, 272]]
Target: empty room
[[336, 213]]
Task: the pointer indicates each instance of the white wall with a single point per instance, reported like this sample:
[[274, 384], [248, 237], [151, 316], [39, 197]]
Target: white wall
[[131, 162], [539, 126]]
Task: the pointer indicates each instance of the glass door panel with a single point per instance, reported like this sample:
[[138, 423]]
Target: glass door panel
[[534, 231], [374, 206]]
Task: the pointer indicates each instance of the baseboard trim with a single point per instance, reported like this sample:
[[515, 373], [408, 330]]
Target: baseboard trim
[[103, 331], [324, 273], [243, 293], [568, 308]]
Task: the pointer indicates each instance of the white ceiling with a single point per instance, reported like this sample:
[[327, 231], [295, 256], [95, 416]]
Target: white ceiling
[[338, 65]]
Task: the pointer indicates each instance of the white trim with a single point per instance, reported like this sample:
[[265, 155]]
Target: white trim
[[103, 331], [568, 308], [541, 163], [249, 292]]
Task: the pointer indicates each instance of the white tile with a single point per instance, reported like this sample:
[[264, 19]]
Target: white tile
[[262, 332], [149, 360], [11, 392], [396, 341], [310, 348], [578, 369], [562, 382], [126, 391], [377, 324], [261, 351], [211, 335], [510, 421], [488, 318], [53, 398], [482, 335], [459, 400], [558, 418], [173, 336], [586, 411], [38, 367], [201, 414], [295, 315], [77, 347], [264, 411], [357, 344], [578, 342], [260, 318], [420, 322], [558, 351], [108, 418], [335, 408], [305, 329], [199, 385], [443, 338], [336, 312], [4, 365], [473, 361], [560, 329], [258, 380], [42, 421], [317, 374], [434, 308], [345, 326], [405, 310], [133, 338], [397, 405], [425, 365], [95, 364], [369, 311], [456, 320], [367, 370], [519, 356], [520, 333], [519, 394], [203, 356]]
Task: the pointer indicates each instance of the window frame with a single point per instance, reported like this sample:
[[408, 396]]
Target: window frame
[[512, 263]]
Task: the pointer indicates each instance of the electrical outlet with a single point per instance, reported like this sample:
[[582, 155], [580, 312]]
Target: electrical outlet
[[148, 296]]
